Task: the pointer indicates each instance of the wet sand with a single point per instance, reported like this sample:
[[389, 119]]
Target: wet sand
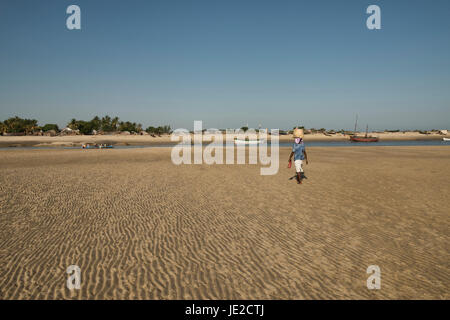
[[140, 227]]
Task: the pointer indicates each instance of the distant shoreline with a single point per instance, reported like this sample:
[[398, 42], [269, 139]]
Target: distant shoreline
[[146, 140]]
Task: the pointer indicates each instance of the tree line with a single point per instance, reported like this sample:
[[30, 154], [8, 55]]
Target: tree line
[[96, 125]]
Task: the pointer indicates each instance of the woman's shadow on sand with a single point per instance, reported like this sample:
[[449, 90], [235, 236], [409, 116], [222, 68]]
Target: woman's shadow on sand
[[302, 177]]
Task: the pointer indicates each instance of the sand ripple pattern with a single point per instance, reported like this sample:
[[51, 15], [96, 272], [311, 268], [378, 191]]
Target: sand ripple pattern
[[141, 228]]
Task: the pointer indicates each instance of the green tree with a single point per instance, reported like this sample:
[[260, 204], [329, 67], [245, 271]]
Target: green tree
[[167, 129], [159, 130], [128, 126], [150, 129], [50, 126], [115, 124], [19, 125], [106, 124], [95, 123], [85, 127], [73, 124]]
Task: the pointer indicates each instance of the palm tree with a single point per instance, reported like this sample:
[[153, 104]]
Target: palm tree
[[73, 124], [14, 125], [30, 125], [10, 124], [19, 125], [115, 123], [95, 123], [106, 123]]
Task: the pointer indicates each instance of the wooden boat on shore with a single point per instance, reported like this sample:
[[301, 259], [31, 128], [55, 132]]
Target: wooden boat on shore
[[365, 138], [247, 142]]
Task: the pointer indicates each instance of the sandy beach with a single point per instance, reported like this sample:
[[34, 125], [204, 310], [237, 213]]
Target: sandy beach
[[140, 227], [142, 140]]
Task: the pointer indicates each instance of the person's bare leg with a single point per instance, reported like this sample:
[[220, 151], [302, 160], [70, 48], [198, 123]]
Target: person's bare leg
[[299, 177]]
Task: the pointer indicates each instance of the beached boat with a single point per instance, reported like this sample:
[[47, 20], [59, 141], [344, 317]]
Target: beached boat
[[97, 147], [365, 138], [247, 142], [446, 139]]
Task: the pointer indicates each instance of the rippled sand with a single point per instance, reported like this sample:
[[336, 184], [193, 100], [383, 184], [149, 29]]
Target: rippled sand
[[140, 227]]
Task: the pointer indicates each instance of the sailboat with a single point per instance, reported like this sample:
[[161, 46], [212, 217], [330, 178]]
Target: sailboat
[[365, 138]]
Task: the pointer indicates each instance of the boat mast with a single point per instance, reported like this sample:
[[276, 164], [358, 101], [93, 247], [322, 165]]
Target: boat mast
[[356, 123], [367, 130]]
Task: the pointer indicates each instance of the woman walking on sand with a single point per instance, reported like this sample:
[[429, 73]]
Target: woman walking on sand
[[299, 153]]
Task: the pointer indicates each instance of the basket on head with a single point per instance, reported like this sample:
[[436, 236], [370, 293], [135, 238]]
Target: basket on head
[[298, 133]]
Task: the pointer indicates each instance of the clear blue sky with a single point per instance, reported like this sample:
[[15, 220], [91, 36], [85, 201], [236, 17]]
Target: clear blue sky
[[226, 62]]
